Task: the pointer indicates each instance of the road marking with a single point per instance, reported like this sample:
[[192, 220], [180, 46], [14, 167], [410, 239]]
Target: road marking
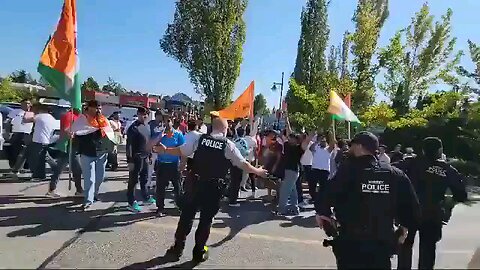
[[225, 232]]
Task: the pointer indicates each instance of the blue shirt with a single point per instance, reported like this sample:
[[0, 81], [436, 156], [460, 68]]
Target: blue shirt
[[175, 140]]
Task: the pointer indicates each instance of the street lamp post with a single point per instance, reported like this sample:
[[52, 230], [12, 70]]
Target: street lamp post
[[274, 88]]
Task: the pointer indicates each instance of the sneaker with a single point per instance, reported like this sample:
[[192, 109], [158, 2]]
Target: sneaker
[[78, 194], [37, 180], [160, 213], [134, 207], [243, 189], [53, 194], [200, 256], [303, 204], [95, 199], [86, 206], [150, 201]]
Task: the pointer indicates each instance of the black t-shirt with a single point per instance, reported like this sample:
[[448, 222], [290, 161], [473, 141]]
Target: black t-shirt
[[292, 155]]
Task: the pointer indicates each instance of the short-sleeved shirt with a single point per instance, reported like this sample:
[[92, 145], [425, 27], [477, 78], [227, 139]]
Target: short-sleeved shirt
[[44, 128], [192, 137], [67, 119], [17, 125], [231, 152], [173, 138], [292, 155]]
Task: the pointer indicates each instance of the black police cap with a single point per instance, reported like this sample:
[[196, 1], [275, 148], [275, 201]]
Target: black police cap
[[366, 139]]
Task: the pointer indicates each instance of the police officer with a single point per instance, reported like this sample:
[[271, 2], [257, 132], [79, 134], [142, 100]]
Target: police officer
[[430, 177], [213, 154], [367, 197]]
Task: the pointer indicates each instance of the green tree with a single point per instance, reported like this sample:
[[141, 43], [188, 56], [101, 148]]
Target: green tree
[[425, 58], [22, 76], [369, 18], [311, 64], [91, 84], [475, 75], [7, 92], [260, 105], [207, 37], [113, 87], [315, 107]]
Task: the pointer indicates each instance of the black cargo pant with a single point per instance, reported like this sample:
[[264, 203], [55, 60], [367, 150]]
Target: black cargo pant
[[18, 145], [304, 173], [138, 172], [430, 234], [317, 177], [205, 197], [356, 254], [234, 186], [166, 172]]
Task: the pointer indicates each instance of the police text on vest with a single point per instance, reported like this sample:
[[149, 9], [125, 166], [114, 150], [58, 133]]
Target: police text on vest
[[212, 144], [376, 187]]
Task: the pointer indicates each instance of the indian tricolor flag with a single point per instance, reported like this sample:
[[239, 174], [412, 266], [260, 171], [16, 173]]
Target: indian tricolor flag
[[340, 110], [59, 61]]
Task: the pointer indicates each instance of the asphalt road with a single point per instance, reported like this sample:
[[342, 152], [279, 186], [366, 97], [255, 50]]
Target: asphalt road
[[52, 233]]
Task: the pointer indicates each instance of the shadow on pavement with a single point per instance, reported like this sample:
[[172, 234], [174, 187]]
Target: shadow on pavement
[[64, 214], [160, 261], [248, 213], [300, 221]]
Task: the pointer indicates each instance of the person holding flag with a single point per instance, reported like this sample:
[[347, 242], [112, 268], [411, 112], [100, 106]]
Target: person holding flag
[[95, 137]]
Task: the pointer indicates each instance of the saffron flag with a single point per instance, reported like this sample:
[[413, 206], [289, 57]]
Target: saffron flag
[[348, 100], [59, 61], [340, 110], [242, 107], [82, 126]]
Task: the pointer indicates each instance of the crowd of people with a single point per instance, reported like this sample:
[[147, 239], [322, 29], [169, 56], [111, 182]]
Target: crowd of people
[[371, 191]]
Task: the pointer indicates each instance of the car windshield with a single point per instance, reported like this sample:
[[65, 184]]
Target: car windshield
[[57, 111]]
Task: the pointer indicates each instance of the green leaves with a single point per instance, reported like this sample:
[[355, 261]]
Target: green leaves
[[369, 18], [260, 105], [418, 57], [90, 84], [206, 38], [7, 92]]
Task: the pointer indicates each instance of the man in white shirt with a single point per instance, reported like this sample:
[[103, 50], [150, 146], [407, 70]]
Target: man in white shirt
[[41, 139], [383, 158], [20, 135], [306, 162], [322, 153]]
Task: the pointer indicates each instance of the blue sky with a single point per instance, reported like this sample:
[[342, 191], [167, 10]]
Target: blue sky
[[120, 38]]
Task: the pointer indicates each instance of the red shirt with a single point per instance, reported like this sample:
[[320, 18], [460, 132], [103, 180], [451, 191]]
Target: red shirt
[[183, 127], [66, 119]]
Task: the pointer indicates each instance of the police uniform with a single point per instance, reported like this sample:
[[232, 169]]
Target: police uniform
[[367, 197], [213, 154], [430, 178]]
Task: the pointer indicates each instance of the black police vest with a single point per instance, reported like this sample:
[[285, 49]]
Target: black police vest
[[369, 215], [209, 160]]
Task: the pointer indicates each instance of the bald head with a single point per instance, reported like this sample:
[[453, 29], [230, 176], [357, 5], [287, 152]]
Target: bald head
[[219, 125]]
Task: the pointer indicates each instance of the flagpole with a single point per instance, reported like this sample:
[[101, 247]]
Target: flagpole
[[333, 126], [70, 157], [349, 132]]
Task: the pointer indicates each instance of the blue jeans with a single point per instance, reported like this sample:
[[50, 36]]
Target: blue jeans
[[93, 170], [288, 190]]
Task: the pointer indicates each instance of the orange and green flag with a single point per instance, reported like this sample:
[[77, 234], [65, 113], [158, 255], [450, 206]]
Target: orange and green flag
[[59, 63], [340, 110]]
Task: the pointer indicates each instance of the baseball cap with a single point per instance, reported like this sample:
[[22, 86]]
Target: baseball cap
[[366, 139], [431, 145]]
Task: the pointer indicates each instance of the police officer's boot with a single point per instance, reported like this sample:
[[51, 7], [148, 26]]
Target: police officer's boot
[[175, 251], [200, 254]]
